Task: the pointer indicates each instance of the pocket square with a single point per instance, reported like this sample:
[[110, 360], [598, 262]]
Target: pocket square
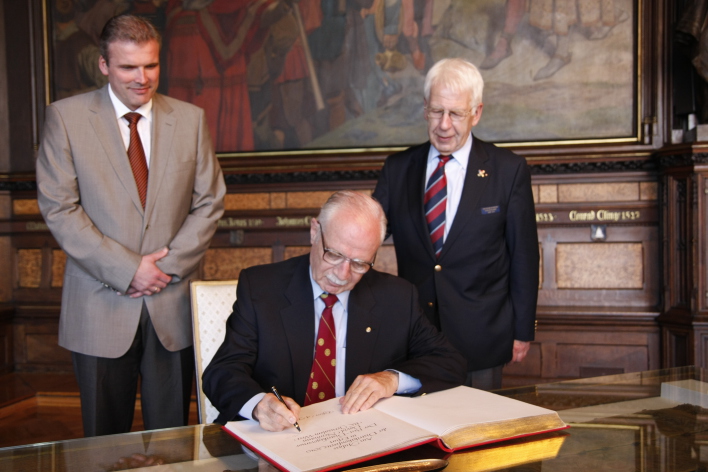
[[490, 210]]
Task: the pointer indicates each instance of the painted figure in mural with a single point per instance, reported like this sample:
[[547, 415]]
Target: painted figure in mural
[[75, 52], [692, 34], [340, 51], [556, 18], [209, 44], [400, 34], [293, 91], [406, 20]]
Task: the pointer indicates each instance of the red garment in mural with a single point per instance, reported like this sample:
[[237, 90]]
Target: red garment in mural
[[207, 60]]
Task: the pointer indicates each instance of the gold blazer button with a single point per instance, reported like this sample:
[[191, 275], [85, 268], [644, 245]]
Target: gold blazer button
[[438, 268]]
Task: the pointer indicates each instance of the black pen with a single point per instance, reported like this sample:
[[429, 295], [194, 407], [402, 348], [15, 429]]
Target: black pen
[[277, 395]]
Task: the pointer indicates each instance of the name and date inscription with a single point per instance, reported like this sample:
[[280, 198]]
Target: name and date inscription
[[575, 216], [266, 222]]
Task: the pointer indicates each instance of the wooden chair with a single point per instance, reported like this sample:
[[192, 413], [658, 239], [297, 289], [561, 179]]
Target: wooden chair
[[212, 302]]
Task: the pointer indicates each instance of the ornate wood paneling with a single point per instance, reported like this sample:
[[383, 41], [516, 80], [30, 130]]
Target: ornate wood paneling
[[598, 298], [35, 332], [600, 292], [576, 342]]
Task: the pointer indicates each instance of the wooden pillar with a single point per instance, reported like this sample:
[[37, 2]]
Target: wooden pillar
[[684, 198]]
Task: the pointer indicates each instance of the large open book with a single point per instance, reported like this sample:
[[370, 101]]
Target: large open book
[[452, 419]]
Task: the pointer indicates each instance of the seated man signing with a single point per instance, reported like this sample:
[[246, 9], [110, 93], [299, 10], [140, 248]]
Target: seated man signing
[[319, 325]]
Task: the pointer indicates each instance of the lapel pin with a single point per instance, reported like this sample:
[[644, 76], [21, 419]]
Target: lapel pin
[[481, 173]]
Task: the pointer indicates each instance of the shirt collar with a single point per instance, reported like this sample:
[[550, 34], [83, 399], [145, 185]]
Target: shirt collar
[[462, 155], [121, 109], [317, 291]]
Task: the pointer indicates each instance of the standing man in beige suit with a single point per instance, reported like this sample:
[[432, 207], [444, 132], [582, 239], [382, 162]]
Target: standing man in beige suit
[[133, 201]]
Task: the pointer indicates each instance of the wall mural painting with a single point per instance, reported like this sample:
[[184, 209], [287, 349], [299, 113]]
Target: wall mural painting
[[335, 74]]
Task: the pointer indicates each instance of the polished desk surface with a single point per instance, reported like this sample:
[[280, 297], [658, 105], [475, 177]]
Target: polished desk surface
[[622, 422]]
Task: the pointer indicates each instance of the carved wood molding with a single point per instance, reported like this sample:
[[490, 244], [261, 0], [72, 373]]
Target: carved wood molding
[[12, 184], [589, 167], [681, 160], [17, 185], [302, 177]]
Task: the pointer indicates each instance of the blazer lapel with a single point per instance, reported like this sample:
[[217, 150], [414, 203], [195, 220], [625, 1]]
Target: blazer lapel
[[163, 130], [416, 192], [299, 323], [362, 330], [108, 134], [471, 193]]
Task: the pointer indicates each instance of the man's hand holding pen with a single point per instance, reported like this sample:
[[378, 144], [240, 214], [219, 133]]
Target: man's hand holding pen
[[277, 413], [274, 415]]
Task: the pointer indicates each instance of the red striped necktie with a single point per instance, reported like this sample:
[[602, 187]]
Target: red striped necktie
[[136, 156], [435, 203], [321, 384]]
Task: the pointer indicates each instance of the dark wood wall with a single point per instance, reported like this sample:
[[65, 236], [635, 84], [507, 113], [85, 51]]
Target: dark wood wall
[[620, 225]]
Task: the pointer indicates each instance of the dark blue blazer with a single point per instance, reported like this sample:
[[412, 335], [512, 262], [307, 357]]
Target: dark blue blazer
[[484, 294]]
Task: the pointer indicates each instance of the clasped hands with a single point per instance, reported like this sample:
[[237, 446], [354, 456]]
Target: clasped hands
[[149, 279], [364, 392]]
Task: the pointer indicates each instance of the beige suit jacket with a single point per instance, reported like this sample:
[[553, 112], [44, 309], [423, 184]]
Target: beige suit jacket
[[89, 200]]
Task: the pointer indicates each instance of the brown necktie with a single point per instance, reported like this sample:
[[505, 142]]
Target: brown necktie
[[321, 384], [136, 155]]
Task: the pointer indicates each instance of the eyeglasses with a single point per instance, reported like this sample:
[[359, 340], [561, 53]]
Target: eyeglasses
[[334, 257], [455, 115]]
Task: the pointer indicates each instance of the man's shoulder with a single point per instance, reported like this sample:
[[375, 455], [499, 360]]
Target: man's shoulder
[[396, 164], [82, 100], [270, 281]]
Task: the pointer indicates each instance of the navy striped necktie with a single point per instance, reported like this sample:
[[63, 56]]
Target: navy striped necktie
[[435, 203]]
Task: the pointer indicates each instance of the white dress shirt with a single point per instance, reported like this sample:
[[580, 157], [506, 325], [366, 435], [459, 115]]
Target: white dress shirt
[[144, 125], [455, 172]]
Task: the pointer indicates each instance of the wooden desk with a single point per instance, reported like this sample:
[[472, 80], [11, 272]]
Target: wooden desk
[[618, 423]]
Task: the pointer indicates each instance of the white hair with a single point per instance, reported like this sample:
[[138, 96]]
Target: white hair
[[359, 203], [458, 75]]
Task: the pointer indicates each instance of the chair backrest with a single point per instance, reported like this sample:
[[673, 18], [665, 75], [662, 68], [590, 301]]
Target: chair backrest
[[212, 304]]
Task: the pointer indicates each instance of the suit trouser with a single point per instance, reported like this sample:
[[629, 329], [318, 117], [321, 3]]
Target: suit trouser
[[484, 379], [108, 387]]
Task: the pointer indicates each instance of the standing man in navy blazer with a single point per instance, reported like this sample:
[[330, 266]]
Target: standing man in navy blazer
[[134, 215], [479, 284]]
